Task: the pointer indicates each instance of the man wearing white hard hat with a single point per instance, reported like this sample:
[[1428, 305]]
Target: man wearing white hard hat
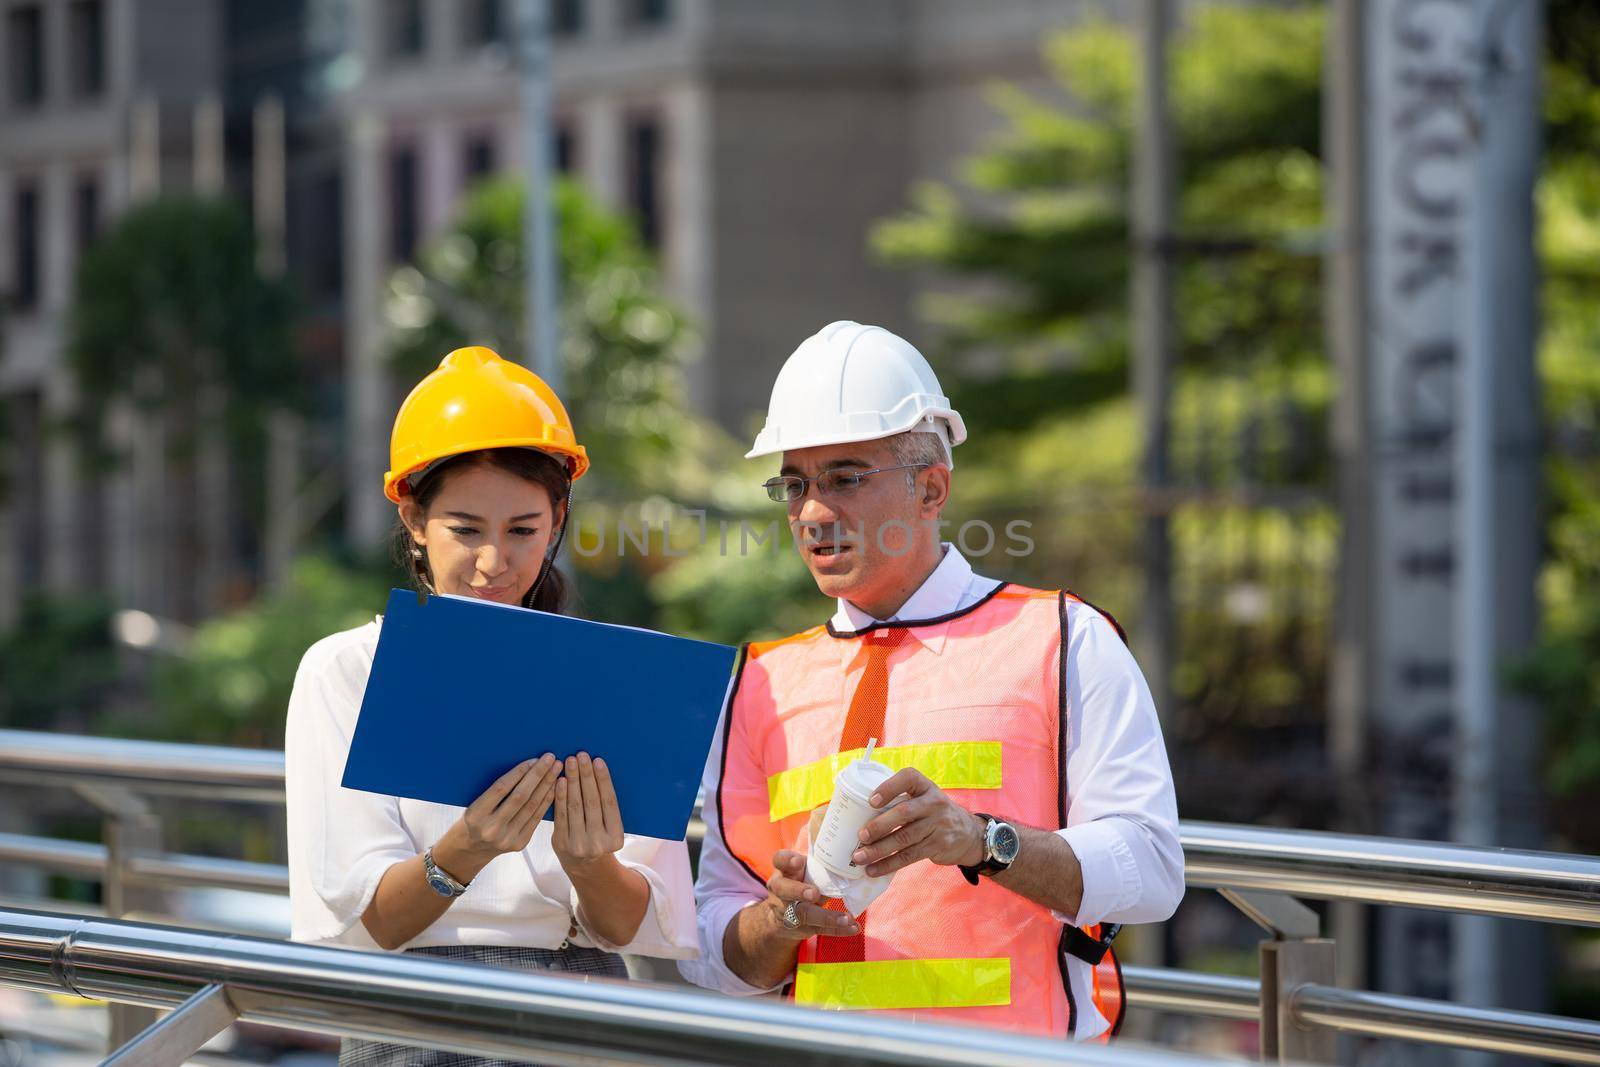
[[1025, 806]]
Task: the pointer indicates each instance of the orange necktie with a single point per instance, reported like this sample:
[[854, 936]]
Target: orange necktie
[[863, 722]]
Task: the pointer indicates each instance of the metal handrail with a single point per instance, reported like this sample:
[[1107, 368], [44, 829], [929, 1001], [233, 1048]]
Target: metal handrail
[[161, 767], [488, 1011], [1543, 886], [1519, 1033], [1508, 883], [1217, 996]]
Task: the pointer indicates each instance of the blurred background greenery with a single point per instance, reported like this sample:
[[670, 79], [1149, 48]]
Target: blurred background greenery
[[1035, 244]]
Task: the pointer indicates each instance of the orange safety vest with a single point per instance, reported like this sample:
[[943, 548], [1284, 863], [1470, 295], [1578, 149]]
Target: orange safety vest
[[975, 701]]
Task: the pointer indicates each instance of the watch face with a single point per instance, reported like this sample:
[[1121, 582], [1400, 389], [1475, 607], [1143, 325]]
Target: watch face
[[440, 886], [1003, 842]]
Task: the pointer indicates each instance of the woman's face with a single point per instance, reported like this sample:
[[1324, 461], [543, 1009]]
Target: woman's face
[[485, 533]]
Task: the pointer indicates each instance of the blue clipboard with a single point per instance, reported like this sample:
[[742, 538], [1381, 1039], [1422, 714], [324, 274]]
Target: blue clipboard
[[462, 690]]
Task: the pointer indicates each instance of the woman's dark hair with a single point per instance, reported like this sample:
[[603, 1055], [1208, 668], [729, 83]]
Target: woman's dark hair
[[526, 463]]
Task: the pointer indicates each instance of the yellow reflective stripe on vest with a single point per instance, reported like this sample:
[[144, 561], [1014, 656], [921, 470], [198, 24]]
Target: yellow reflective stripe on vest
[[948, 764], [904, 984]]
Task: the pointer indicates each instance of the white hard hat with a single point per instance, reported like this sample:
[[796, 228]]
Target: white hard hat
[[849, 382]]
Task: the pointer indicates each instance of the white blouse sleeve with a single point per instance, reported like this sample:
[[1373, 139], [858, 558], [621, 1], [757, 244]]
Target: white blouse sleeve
[[668, 928], [341, 841]]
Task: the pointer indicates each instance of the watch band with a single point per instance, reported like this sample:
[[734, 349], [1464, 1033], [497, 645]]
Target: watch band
[[989, 865], [437, 876]]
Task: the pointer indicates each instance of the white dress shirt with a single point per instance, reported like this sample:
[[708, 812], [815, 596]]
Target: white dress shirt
[[341, 841], [1122, 816]]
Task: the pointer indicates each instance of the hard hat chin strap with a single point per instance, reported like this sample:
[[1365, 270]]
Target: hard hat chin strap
[[555, 547]]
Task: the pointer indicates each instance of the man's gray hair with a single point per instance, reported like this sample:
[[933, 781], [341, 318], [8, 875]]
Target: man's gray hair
[[918, 446]]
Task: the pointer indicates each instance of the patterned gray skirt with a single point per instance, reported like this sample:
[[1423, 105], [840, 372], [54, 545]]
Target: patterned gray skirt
[[354, 1052]]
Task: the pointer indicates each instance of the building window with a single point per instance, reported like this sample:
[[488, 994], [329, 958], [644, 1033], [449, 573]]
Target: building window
[[403, 205], [26, 266], [86, 212], [86, 22], [485, 23], [649, 12], [478, 158], [25, 52], [566, 18], [314, 232], [566, 149], [644, 177], [405, 28]]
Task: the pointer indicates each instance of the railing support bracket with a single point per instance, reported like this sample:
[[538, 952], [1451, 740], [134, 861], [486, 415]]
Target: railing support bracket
[[181, 1034]]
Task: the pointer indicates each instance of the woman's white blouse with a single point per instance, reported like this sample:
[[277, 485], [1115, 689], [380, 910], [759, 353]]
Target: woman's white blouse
[[341, 841]]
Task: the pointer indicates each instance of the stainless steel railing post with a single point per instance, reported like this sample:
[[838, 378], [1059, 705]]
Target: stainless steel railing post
[[1294, 956], [131, 828]]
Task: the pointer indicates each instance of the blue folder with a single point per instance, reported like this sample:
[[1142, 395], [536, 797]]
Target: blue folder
[[462, 690]]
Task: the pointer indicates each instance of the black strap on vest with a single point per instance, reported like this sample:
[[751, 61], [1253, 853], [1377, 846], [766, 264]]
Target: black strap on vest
[[1076, 943]]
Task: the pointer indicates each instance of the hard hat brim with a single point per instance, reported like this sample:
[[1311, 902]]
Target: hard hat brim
[[765, 446], [575, 459]]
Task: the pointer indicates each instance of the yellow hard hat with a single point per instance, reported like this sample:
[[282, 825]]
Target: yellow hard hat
[[475, 401]]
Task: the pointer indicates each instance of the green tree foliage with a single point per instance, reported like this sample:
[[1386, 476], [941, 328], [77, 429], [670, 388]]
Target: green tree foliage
[[232, 684], [58, 664], [1562, 672], [1044, 216], [624, 344], [1032, 249], [171, 302], [171, 314]]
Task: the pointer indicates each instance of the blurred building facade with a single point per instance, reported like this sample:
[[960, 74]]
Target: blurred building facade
[[755, 144]]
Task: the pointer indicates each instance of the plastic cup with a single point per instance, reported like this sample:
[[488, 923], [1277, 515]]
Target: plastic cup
[[848, 811]]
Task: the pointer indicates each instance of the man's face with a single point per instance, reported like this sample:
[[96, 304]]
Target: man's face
[[856, 543]]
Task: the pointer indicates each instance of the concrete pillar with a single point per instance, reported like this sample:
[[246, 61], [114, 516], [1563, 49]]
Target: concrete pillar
[[285, 430], [605, 19], [7, 233], [689, 265], [144, 151], [63, 546], [9, 593], [270, 186], [60, 486], [441, 30], [439, 167], [122, 510], [601, 160], [214, 570], [146, 471], [1153, 221], [120, 44], [367, 387], [1344, 319], [56, 48], [57, 241], [213, 473], [210, 163]]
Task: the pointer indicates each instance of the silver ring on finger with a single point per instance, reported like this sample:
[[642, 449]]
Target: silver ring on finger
[[791, 915]]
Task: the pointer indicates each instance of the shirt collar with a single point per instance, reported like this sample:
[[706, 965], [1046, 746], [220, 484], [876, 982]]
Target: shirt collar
[[939, 594]]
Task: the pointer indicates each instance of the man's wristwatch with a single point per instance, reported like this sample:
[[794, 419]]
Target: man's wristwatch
[[1000, 846], [439, 881]]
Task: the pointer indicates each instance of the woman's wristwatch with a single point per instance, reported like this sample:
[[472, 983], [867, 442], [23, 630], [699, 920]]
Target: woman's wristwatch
[[439, 881], [1000, 846]]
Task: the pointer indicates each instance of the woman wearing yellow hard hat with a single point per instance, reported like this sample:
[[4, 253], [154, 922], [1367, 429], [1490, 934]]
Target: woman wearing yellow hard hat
[[482, 461]]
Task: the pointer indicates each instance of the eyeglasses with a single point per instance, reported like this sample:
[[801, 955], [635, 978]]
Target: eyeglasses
[[787, 488]]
